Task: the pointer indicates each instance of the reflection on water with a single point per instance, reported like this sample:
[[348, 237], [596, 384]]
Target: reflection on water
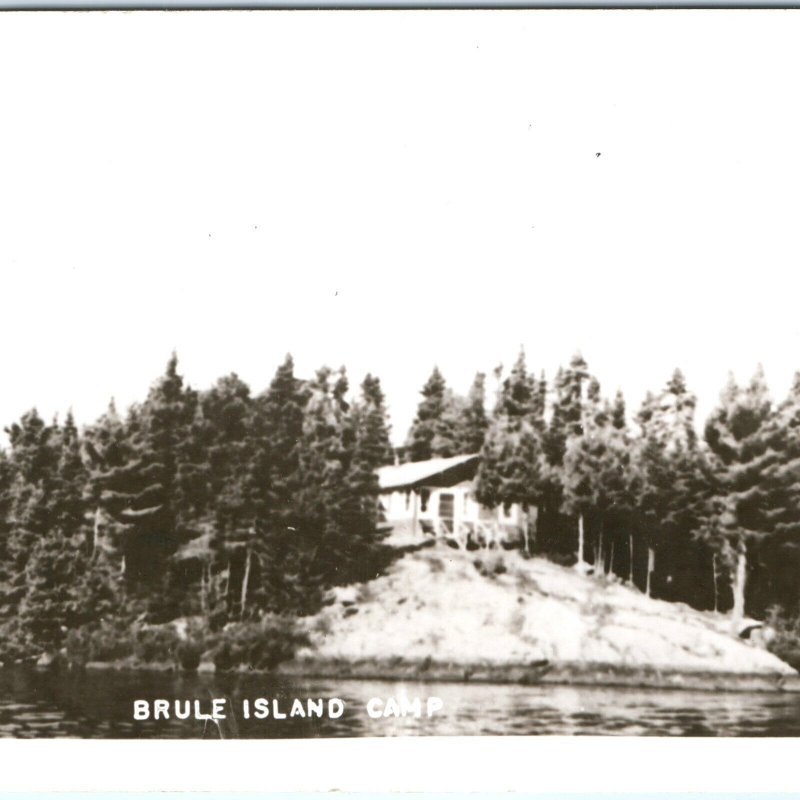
[[100, 705]]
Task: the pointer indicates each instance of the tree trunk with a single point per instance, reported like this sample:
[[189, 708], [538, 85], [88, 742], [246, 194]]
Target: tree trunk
[[245, 580], [714, 569], [95, 534], [651, 565], [580, 541], [630, 565], [203, 588], [610, 568], [599, 560], [739, 581], [227, 595], [532, 515]]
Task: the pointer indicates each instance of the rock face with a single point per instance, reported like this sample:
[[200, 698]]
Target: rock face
[[499, 609]]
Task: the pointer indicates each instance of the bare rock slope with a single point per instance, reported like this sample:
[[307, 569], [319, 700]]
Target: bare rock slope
[[499, 610]]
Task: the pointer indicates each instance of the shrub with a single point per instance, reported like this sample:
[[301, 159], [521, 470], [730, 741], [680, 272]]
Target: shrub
[[76, 646], [562, 559], [156, 644], [104, 643], [143, 645], [188, 654], [12, 646], [257, 645], [786, 642]]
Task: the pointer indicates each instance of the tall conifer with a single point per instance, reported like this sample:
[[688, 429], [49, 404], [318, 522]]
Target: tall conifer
[[58, 559], [273, 482], [737, 433], [672, 482], [431, 420], [473, 422], [371, 420], [780, 551], [511, 465]]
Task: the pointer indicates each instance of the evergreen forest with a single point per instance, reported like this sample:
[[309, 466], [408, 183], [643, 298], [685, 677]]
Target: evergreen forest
[[230, 514]]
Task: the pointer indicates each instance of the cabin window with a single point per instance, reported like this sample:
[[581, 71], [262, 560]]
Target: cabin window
[[408, 500], [447, 508]]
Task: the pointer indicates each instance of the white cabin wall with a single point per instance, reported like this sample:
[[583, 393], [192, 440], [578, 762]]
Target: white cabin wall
[[399, 508]]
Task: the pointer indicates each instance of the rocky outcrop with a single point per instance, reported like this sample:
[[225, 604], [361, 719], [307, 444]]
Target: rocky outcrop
[[460, 613]]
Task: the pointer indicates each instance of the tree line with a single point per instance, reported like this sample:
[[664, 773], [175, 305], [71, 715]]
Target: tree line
[[227, 506], [712, 520], [218, 504]]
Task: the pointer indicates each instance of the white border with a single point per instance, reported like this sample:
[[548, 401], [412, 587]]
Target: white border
[[436, 764]]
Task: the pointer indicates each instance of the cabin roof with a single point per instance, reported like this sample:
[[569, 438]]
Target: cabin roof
[[436, 472]]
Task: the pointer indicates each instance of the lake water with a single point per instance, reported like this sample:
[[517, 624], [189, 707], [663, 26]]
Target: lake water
[[100, 705]]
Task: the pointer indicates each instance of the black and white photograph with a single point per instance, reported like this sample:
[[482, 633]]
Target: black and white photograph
[[376, 374]]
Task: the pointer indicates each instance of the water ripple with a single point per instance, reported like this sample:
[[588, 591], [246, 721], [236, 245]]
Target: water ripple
[[99, 705]]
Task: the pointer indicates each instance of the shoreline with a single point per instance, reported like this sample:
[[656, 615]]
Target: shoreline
[[536, 674], [595, 675]]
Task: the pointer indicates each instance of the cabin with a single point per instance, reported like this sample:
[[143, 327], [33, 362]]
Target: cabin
[[437, 498]]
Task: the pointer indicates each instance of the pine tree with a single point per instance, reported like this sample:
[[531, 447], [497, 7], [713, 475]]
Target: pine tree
[[372, 422], [511, 464], [369, 451], [34, 461], [222, 442], [321, 456], [672, 481], [580, 472], [433, 430], [58, 557], [620, 487], [6, 500], [780, 552], [448, 428], [565, 422], [737, 433], [272, 484], [567, 415], [149, 490], [473, 422], [174, 469], [599, 483], [112, 465]]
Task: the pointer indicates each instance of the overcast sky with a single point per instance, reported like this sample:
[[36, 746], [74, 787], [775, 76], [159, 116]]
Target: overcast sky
[[392, 191]]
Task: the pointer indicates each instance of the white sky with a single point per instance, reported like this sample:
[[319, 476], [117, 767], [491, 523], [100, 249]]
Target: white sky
[[393, 190]]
